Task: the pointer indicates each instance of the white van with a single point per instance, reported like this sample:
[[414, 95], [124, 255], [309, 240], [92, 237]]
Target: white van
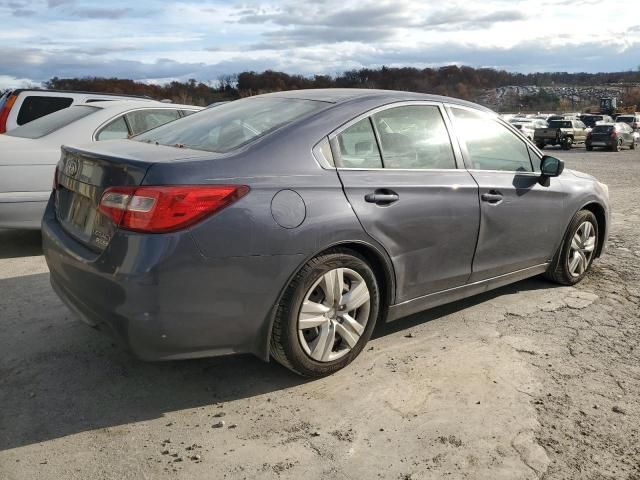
[[21, 106]]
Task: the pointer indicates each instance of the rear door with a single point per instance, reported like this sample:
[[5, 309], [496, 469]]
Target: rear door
[[521, 218], [401, 175]]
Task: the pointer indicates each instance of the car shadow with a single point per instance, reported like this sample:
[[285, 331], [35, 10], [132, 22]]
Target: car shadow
[[58, 377], [20, 243]]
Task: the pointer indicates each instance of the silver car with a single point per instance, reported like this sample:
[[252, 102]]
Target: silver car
[[288, 225], [28, 154]]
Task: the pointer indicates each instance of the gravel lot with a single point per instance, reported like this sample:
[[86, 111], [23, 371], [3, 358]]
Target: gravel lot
[[528, 381]]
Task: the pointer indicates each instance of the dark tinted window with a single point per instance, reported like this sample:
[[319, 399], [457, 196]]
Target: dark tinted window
[[491, 145], [226, 127], [186, 113], [626, 119], [560, 124], [414, 137], [35, 106], [358, 147], [50, 123], [602, 129]]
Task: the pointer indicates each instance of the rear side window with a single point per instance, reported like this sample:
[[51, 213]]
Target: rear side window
[[50, 123], [114, 130], [227, 127], [414, 137], [143, 120], [358, 147], [626, 119], [36, 106], [491, 145]]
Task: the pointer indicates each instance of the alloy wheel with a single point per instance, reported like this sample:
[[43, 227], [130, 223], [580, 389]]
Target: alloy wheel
[[334, 314], [583, 245]]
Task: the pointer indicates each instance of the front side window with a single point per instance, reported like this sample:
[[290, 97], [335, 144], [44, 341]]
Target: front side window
[[358, 147], [36, 106], [491, 145], [227, 127], [143, 120], [115, 130], [52, 122], [414, 137]]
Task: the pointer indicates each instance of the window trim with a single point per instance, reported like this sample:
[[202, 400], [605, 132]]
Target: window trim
[[491, 116], [123, 115], [457, 153]]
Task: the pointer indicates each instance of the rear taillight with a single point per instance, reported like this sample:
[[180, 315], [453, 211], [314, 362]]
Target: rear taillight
[[4, 113], [614, 135], [157, 209]]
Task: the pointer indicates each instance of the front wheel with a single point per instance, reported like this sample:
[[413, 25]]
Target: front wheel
[[567, 143], [575, 256], [633, 145], [326, 314]]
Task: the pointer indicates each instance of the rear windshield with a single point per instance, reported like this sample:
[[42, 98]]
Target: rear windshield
[[560, 124], [623, 118], [602, 128], [52, 122], [229, 126], [36, 106]]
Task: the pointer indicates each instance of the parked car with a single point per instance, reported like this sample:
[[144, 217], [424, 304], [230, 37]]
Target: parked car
[[528, 125], [18, 107], [564, 133], [28, 154], [632, 120], [287, 225], [613, 136], [591, 120]]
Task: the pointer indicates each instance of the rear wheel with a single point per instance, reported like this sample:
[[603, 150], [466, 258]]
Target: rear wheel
[[567, 143], [633, 145], [326, 315], [540, 145], [589, 148], [618, 146], [575, 256]]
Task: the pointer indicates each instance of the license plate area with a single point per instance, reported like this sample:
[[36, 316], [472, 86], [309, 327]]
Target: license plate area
[[77, 211]]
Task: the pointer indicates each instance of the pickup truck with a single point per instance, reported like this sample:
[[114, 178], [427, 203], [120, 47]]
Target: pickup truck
[[565, 133]]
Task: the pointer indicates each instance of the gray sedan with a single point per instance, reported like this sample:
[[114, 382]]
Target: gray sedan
[[287, 225]]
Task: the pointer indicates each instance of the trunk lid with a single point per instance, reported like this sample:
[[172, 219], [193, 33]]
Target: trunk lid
[[84, 175]]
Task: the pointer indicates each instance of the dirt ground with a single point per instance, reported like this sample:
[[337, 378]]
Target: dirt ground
[[529, 381]]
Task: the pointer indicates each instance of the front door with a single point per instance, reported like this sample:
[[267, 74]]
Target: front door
[[400, 175], [520, 215]]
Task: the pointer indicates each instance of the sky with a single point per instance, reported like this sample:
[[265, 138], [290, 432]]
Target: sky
[[158, 41]]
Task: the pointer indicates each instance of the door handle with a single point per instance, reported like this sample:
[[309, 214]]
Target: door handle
[[492, 197], [382, 197]]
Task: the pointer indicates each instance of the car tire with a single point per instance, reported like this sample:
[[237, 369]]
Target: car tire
[[589, 148], [575, 244], [540, 146], [633, 145], [567, 143], [297, 348], [617, 147]]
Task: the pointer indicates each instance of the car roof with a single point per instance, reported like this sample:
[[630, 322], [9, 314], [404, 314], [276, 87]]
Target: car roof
[[16, 91], [343, 95], [124, 104]]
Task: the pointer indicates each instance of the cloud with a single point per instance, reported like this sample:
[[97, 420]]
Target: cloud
[[458, 17], [101, 13], [57, 3]]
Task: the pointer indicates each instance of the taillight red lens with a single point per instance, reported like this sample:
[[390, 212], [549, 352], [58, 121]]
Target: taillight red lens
[[4, 113], [157, 209], [614, 135]]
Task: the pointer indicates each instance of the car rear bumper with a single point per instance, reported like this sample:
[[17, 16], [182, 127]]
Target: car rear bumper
[[22, 210], [161, 298]]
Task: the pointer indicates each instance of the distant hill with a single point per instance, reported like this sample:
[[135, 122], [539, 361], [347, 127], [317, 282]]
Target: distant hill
[[495, 88]]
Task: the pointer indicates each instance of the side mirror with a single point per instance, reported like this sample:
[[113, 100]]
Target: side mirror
[[551, 166]]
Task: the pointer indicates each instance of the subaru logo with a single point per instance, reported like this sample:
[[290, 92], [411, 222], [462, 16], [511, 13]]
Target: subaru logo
[[71, 168]]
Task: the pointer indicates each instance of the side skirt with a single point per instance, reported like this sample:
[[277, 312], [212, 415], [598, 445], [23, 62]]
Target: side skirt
[[425, 302]]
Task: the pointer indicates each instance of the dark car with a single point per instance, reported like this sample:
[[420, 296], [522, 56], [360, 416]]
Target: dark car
[[613, 136], [287, 225], [591, 120]]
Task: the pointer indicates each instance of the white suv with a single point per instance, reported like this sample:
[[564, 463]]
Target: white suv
[[18, 107]]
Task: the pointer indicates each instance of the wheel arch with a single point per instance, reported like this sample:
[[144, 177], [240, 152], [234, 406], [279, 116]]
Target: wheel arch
[[601, 217], [380, 263]]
